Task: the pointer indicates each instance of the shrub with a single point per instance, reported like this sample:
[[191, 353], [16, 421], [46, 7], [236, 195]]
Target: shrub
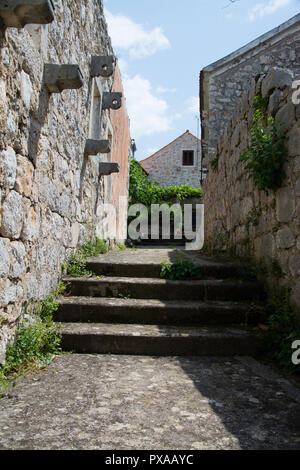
[[266, 154], [36, 342], [182, 269], [142, 190]]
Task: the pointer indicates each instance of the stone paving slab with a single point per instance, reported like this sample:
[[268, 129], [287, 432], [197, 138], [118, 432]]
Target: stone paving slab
[[156, 256], [136, 403]]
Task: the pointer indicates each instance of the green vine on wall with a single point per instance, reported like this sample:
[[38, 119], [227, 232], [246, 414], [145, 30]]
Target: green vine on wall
[[267, 152]]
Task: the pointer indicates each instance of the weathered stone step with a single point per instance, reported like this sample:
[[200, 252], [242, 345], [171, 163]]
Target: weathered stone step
[[159, 340], [153, 288], [139, 263], [150, 311]]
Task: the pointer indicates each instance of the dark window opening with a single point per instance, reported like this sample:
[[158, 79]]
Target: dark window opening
[[188, 158]]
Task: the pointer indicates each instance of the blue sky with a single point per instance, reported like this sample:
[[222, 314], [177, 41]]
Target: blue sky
[[163, 44]]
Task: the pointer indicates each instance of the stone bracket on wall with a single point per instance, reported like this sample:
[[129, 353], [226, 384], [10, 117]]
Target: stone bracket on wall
[[62, 77], [107, 168], [18, 13], [102, 66], [92, 147], [112, 100]]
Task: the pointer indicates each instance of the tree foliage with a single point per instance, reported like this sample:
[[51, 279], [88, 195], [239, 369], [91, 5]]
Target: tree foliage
[[142, 190]]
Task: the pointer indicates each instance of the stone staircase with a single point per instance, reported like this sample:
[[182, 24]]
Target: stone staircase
[[127, 309]]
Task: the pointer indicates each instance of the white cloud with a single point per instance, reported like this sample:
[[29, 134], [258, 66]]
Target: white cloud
[[148, 114], [162, 90], [262, 9], [152, 150], [193, 104], [131, 36]]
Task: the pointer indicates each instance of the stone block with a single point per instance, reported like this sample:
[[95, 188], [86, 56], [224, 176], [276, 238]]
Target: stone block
[[31, 226], [8, 293], [12, 216], [93, 147], [102, 66], [5, 253], [297, 187], [106, 168], [18, 13], [26, 89], [112, 100], [295, 296], [293, 142], [24, 176], [62, 77], [276, 78], [285, 238], [294, 265], [274, 102], [17, 268], [267, 246], [285, 117], [285, 204], [8, 166]]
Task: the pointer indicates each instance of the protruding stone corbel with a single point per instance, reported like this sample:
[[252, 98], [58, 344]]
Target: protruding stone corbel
[[92, 147], [62, 77], [18, 13], [106, 168], [112, 100], [102, 66]]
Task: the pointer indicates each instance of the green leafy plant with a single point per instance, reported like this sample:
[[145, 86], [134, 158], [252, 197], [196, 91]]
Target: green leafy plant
[[77, 266], [77, 262], [121, 247], [182, 269], [36, 342], [215, 163], [91, 249], [267, 152], [143, 190], [124, 296], [253, 217]]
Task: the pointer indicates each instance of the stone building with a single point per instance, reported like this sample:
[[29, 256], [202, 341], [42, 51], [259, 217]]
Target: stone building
[[177, 163], [64, 145], [224, 82], [239, 216]]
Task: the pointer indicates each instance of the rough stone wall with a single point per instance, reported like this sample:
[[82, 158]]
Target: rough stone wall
[[49, 192], [224, 83], [239, 215], [165, 166]]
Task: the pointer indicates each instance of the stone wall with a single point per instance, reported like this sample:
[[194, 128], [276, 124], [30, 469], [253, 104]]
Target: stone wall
[[237, 214], [165, 166], [224, 82], [51, 196]]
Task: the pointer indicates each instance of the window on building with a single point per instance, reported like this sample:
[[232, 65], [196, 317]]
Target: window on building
[[188, 158]]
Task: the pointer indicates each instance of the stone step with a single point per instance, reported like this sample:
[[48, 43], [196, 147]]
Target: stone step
[[153, 288], [139, 264], [159, 340], [150, 311]]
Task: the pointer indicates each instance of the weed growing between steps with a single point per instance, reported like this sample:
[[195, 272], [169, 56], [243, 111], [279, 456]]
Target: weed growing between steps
[[77, 264], [37, 340], [182, 270]]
